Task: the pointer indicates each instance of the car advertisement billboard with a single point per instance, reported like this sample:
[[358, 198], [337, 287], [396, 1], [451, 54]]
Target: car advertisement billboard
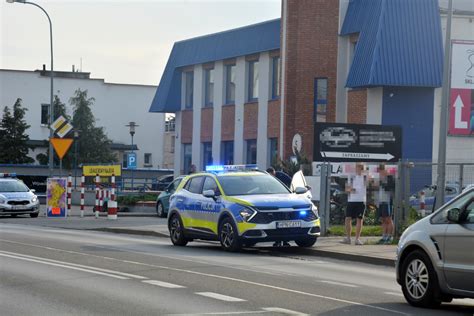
[[461, 106], [56, 197]]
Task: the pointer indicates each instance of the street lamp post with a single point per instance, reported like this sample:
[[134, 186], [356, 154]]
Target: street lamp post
[[51, 105], [132, 126]]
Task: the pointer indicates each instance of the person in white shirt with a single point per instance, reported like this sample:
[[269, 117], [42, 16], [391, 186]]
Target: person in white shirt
[[357, 189]]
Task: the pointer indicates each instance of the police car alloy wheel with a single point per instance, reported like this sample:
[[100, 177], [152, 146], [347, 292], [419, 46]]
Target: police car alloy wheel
[[176, 231], [306, 243], [228, 235], [419, 280], [34, 215]]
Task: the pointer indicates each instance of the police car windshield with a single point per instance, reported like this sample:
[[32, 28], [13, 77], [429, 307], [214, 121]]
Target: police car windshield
[[13, 186], [251, 184]]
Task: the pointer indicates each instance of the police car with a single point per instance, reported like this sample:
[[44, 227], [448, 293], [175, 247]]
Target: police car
[[240, 206], [16, 198]]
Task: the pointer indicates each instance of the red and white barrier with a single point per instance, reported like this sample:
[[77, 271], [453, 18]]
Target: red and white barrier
[[97, 183], [112, 204], [69, 193], [83, 179]]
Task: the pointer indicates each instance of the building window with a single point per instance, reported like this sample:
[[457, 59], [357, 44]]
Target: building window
[[252, 81], [251, 157], [125, 160], [276, 77], [187, 158], [320, 96], [44, 114], [228, 153], [147, 158], [170, 124], [188, 99], [230, 84], [206, 155], [273, 150], [209, 87]]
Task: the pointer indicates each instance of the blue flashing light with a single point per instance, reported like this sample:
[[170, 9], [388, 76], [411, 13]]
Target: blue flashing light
[[303, 213], [8, 175], [215, 168], [221, 168]]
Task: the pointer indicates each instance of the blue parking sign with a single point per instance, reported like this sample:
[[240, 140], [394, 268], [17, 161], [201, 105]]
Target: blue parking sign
[[132, 161]]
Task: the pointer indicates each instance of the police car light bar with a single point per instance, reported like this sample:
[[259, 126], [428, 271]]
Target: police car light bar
[[7, 175], [221, 168]]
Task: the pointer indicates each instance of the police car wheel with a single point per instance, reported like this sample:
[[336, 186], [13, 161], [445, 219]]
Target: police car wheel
[[34, 215], [160, 211], [305, 243], [176, 231], [13, 215], [228, 236]]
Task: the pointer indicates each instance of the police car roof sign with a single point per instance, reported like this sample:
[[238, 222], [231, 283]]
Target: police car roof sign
[[61, 145]]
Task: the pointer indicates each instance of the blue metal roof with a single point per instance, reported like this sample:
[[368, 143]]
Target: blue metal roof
[[229, 44], [400, 43]]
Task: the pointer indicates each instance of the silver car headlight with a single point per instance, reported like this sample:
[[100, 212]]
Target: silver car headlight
[[247, 214], [2, 200], [34, 199], [315, 210]]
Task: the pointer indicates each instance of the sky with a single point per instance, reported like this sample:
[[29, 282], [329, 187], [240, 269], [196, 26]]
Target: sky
[[119, 41]]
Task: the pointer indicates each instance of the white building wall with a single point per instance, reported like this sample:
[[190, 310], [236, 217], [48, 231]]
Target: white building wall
[[115, 106], [219, 96], [374, 106], [240, 95], [264, 89], [197, 105], [178, 155], [343, 65]]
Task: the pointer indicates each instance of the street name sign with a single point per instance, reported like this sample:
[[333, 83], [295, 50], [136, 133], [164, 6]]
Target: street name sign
[[103, 171]]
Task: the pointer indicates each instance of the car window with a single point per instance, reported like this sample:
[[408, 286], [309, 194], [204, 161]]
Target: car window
[[210, 184], [251, 185], [195, 185], [470, 214], [441, 217], [13, 186], [174, 185]]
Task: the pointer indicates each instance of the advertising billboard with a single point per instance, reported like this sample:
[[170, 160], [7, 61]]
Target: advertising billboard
[[461, 106], [56, 197]]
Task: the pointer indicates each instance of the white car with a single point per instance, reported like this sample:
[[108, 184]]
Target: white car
[[16, 198]]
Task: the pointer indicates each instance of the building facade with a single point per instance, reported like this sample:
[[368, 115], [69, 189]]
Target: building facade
[[114, 107]]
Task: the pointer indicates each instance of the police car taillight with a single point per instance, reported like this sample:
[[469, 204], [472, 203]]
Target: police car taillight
[[7, 175]]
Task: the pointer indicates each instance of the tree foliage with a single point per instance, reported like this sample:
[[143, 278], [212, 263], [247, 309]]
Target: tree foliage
[[13, 137]]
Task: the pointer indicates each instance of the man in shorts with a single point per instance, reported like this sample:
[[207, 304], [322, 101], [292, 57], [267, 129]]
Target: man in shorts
[[357, 189], [386, 185]]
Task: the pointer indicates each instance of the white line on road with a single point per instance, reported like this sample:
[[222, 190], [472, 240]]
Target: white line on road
[[222, 313], [338, 283], [64, 266], [394, 293], [163, 284], [284, 311], [220, 297], [128, 275]]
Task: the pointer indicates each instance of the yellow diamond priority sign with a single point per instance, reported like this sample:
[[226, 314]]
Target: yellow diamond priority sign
[[61, 145]]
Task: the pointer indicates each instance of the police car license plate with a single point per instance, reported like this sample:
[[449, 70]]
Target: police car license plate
[[18, 207], [288, 224]]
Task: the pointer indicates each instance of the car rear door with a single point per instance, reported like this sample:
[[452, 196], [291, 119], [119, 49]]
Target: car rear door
[[459, 250]]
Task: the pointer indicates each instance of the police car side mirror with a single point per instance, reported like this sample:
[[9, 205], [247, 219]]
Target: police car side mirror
[[33, 191], [301, 190], [209, 194]]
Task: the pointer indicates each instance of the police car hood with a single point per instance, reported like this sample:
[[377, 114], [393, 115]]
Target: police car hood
[[16, 195], [274, 200]]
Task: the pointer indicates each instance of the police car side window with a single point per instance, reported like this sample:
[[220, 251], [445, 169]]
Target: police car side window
[[210, 184], [195, 185]]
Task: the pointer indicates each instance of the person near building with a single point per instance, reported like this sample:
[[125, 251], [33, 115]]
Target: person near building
[[386, 185], [357, 189], [192, 169]]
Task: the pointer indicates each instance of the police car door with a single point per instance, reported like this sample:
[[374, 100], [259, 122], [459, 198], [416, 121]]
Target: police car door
[[209, 207], [194, 188]]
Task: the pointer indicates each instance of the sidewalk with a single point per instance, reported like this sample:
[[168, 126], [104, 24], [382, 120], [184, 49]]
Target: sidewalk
[[147, 224]]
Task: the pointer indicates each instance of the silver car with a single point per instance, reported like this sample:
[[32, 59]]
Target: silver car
[[16, 198], [435, 256]]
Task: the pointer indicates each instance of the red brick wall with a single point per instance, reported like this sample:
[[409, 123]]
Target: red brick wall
[[228, 122], [273, 123], [311, 51], [357, 106], [207, 116], [186, 126], [250, 120]]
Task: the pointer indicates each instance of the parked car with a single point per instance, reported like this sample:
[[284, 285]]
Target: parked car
[[451, 191], [163, 200], [16, 198], [435, 257], [163, 182]]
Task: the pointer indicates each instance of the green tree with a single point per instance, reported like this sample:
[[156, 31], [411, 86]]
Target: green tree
[[13, 138], [93, 144]]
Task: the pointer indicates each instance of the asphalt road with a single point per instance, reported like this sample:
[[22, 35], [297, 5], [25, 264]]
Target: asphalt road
[[49, 271]]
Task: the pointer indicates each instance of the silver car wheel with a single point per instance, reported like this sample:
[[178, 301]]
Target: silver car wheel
[[417, 279], [227, 235]]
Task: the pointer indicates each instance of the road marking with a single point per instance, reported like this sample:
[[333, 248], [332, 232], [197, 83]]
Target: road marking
[[218, 277], [394, 293], [284, 311], [222, 313], [163, 284], [220, 297], [338, 283], [64, 266], [128, 275]]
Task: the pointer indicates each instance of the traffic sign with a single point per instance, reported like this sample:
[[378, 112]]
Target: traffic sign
[[102, 170], [132, 161], [61, 145], [338, 142]]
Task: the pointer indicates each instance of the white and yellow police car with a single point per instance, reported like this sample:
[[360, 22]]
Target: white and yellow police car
[[16, 198], [240, 206]]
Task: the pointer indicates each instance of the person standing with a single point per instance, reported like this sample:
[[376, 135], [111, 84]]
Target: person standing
[[386, 186], [357, 189]]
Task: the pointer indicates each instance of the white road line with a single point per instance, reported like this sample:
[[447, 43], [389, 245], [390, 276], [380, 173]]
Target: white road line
[[284, 311], [163, 284], [338, 283], [218, 277], [394, 293], [128, 275], [64, 266], [220, 297], [222, 313]]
